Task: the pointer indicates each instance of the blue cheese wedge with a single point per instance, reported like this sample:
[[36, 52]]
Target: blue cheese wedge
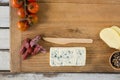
[[67, 56]]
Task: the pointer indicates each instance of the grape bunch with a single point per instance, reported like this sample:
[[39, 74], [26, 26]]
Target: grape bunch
[[26, 10]]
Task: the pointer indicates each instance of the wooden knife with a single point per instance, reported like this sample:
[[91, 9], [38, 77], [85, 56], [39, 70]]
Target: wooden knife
[[67, 40]]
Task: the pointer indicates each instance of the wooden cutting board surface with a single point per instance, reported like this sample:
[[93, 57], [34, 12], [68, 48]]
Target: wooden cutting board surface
[[71, 19]]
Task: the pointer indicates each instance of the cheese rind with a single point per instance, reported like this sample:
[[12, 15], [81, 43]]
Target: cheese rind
[[67, 56]]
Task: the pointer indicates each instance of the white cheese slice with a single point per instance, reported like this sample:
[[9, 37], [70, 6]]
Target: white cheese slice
[[110, 37], [67, 56], [116, 28]]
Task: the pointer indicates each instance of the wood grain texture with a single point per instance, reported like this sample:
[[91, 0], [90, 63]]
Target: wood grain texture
[[4, 17], [4, 39], [81, 1], [2, 2], [69, 20], [15, 43]]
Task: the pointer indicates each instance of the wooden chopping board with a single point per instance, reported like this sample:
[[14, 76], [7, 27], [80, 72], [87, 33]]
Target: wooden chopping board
[[71, 19]]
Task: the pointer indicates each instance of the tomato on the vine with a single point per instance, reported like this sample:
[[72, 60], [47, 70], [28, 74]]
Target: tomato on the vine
[[31, 0], [33, 7], [32, 18], [27, 10], [17, 3], [23, 25], [21, 12]]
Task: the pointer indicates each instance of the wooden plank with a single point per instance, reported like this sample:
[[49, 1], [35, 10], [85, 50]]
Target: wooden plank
[[4, 39], [73, 1], [82, 1], [4, 2], [68, 20], [14, 43], [4, 16], [54, 12], [4, 60]]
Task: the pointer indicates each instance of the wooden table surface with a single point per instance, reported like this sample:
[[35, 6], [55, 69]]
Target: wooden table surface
[[5, 58]]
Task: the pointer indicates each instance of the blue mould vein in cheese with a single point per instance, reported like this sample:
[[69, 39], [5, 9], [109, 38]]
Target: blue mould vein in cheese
[[67, 56]]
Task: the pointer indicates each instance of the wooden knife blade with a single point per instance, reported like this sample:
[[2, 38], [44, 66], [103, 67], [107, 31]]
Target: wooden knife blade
[[67, 40]]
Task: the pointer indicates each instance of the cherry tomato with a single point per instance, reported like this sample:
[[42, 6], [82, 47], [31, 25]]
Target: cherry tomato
[[23, 25], [33, 7], [17, 3], [31, 0], [21, 13], [32, 19]]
